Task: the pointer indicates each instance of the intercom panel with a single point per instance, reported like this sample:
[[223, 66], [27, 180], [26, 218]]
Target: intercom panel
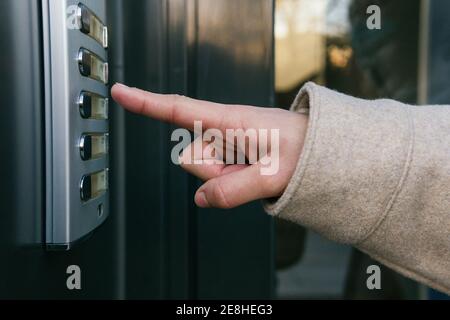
[[76, 119]]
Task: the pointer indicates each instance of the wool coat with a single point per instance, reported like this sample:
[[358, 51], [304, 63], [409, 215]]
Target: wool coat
[[375, 175]]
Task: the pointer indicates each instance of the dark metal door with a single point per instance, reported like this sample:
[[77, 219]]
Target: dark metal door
[[156, 243]]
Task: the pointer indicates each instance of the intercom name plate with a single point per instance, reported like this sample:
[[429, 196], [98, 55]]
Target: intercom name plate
[[76, 121]]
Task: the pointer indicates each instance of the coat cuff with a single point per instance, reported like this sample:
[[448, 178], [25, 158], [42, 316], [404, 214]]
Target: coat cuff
[[340, 188]]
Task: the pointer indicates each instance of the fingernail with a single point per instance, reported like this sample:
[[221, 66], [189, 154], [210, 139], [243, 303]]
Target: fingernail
[[121, 85], [202, 202]]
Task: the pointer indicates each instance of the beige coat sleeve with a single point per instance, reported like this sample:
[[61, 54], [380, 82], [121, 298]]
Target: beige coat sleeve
[[376, 175]]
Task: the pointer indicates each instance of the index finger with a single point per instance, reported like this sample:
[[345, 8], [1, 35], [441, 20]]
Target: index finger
[[180, 110]]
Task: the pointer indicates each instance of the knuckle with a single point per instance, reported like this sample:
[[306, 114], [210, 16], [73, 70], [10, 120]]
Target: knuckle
[[221, 122], [175, 100], [220, 197], [145, 105]]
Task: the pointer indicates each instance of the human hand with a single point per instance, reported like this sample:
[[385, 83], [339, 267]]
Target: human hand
[[227, 185]]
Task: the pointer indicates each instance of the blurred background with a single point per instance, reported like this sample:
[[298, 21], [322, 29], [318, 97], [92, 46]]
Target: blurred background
[[328, 42], [155, 243]]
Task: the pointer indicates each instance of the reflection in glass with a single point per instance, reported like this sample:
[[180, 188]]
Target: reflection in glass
[[328, 42]]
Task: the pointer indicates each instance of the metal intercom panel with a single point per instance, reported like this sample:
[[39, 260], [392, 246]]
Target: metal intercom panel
[[76, 119]]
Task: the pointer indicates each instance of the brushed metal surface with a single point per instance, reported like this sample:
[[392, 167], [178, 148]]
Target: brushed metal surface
[[69, 218]]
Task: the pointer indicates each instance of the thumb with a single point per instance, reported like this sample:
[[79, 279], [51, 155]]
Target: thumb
[[233, 189]]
